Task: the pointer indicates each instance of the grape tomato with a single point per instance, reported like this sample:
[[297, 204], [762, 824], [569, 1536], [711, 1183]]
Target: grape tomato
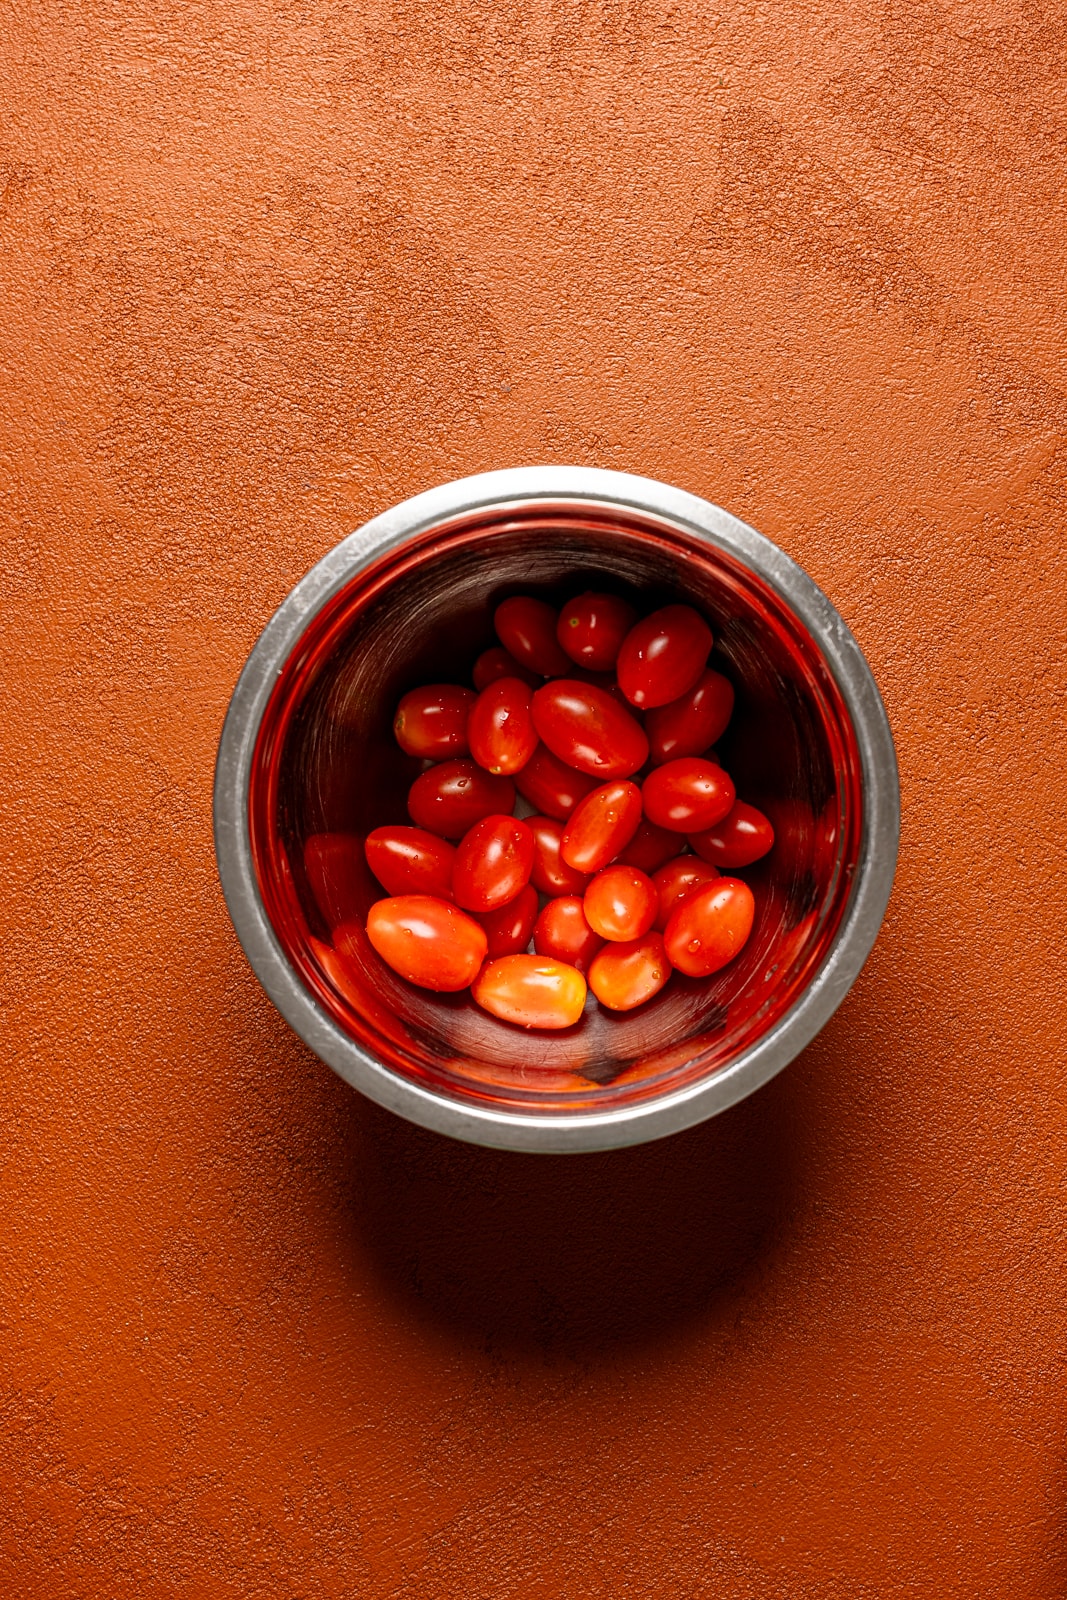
[[687, 795], [663, 655], [592, 627], [563, 932], [601, 825], [450, 798], [497, 663], [688, 725], [531, 991], [625, 975], [410, 861], [527, 629], [510, 928], [709, 928], [551, 785], [621, 903], [500, 730], [650, 847], [432, 722], [676, 880], [743, 836], [550, 873], [492, 863], [588, 729], [427, 941]]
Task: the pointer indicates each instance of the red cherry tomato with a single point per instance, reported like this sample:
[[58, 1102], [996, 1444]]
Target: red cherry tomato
[[532, 991], [687, 795], [449, 799], [496, 663], [688, 725], [427, 941], [411, 861], [650, 847], [500, 731], [527, 628], [626, 975], [679, 878], [510, 928], [592, 628], [550, 873], [337, 876], [432, 722], [588, 729], [663, 655], [492, 863], [601, 825], [709, 928], [621, 903], [743, 836], [561, 931], [550, 785]]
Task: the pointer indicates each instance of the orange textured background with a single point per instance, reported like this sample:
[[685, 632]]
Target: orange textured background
[[265, 270]]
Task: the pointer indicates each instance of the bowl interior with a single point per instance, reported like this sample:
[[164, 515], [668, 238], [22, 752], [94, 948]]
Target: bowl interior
[[326, 764]]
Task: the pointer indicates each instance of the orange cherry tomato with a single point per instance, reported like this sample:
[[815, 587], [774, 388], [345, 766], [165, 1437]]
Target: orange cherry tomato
[[497, 663], [561, 931], [337, 876], [621, 903], [687, 795], [550, 873], [510, 928], [626, 975], [674, 882], [411, 861], [709, 928], [588, 729], [492, 863], [688, 725], [531, 991], [663, 655], [449, 799], [500, 730], [650, 847], [592, 628], [427, 941], [601, 825], [550, 785], [527, 629], [432, 722], [743, 836]]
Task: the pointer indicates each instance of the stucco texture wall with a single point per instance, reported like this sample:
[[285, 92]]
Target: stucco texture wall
[[264, 270]]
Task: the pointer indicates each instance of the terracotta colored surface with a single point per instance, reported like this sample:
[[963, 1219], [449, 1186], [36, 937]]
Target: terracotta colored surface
[[266, 270]]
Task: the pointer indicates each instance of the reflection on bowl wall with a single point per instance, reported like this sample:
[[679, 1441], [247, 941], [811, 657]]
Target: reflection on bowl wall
[[313, 766]]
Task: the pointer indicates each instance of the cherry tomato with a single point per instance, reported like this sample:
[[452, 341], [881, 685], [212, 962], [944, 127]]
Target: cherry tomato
[[588, 729], [688, 725], [621, 903], [432, 722], [592, 628], [709, 927], [492, 863], [663, 655], [550, 785], [527, 628], [626, 975], [427, 941], [743, 836], [561, 931], [601, 825], [533, 991], [687, 795], [679, 878], [449, 799], [500, 730], [411, 861], [550, 873], [337, 876], [496, 663], [650, 847], [510, 928]]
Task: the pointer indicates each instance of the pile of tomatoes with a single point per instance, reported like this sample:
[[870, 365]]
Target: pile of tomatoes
[[604, 723]]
